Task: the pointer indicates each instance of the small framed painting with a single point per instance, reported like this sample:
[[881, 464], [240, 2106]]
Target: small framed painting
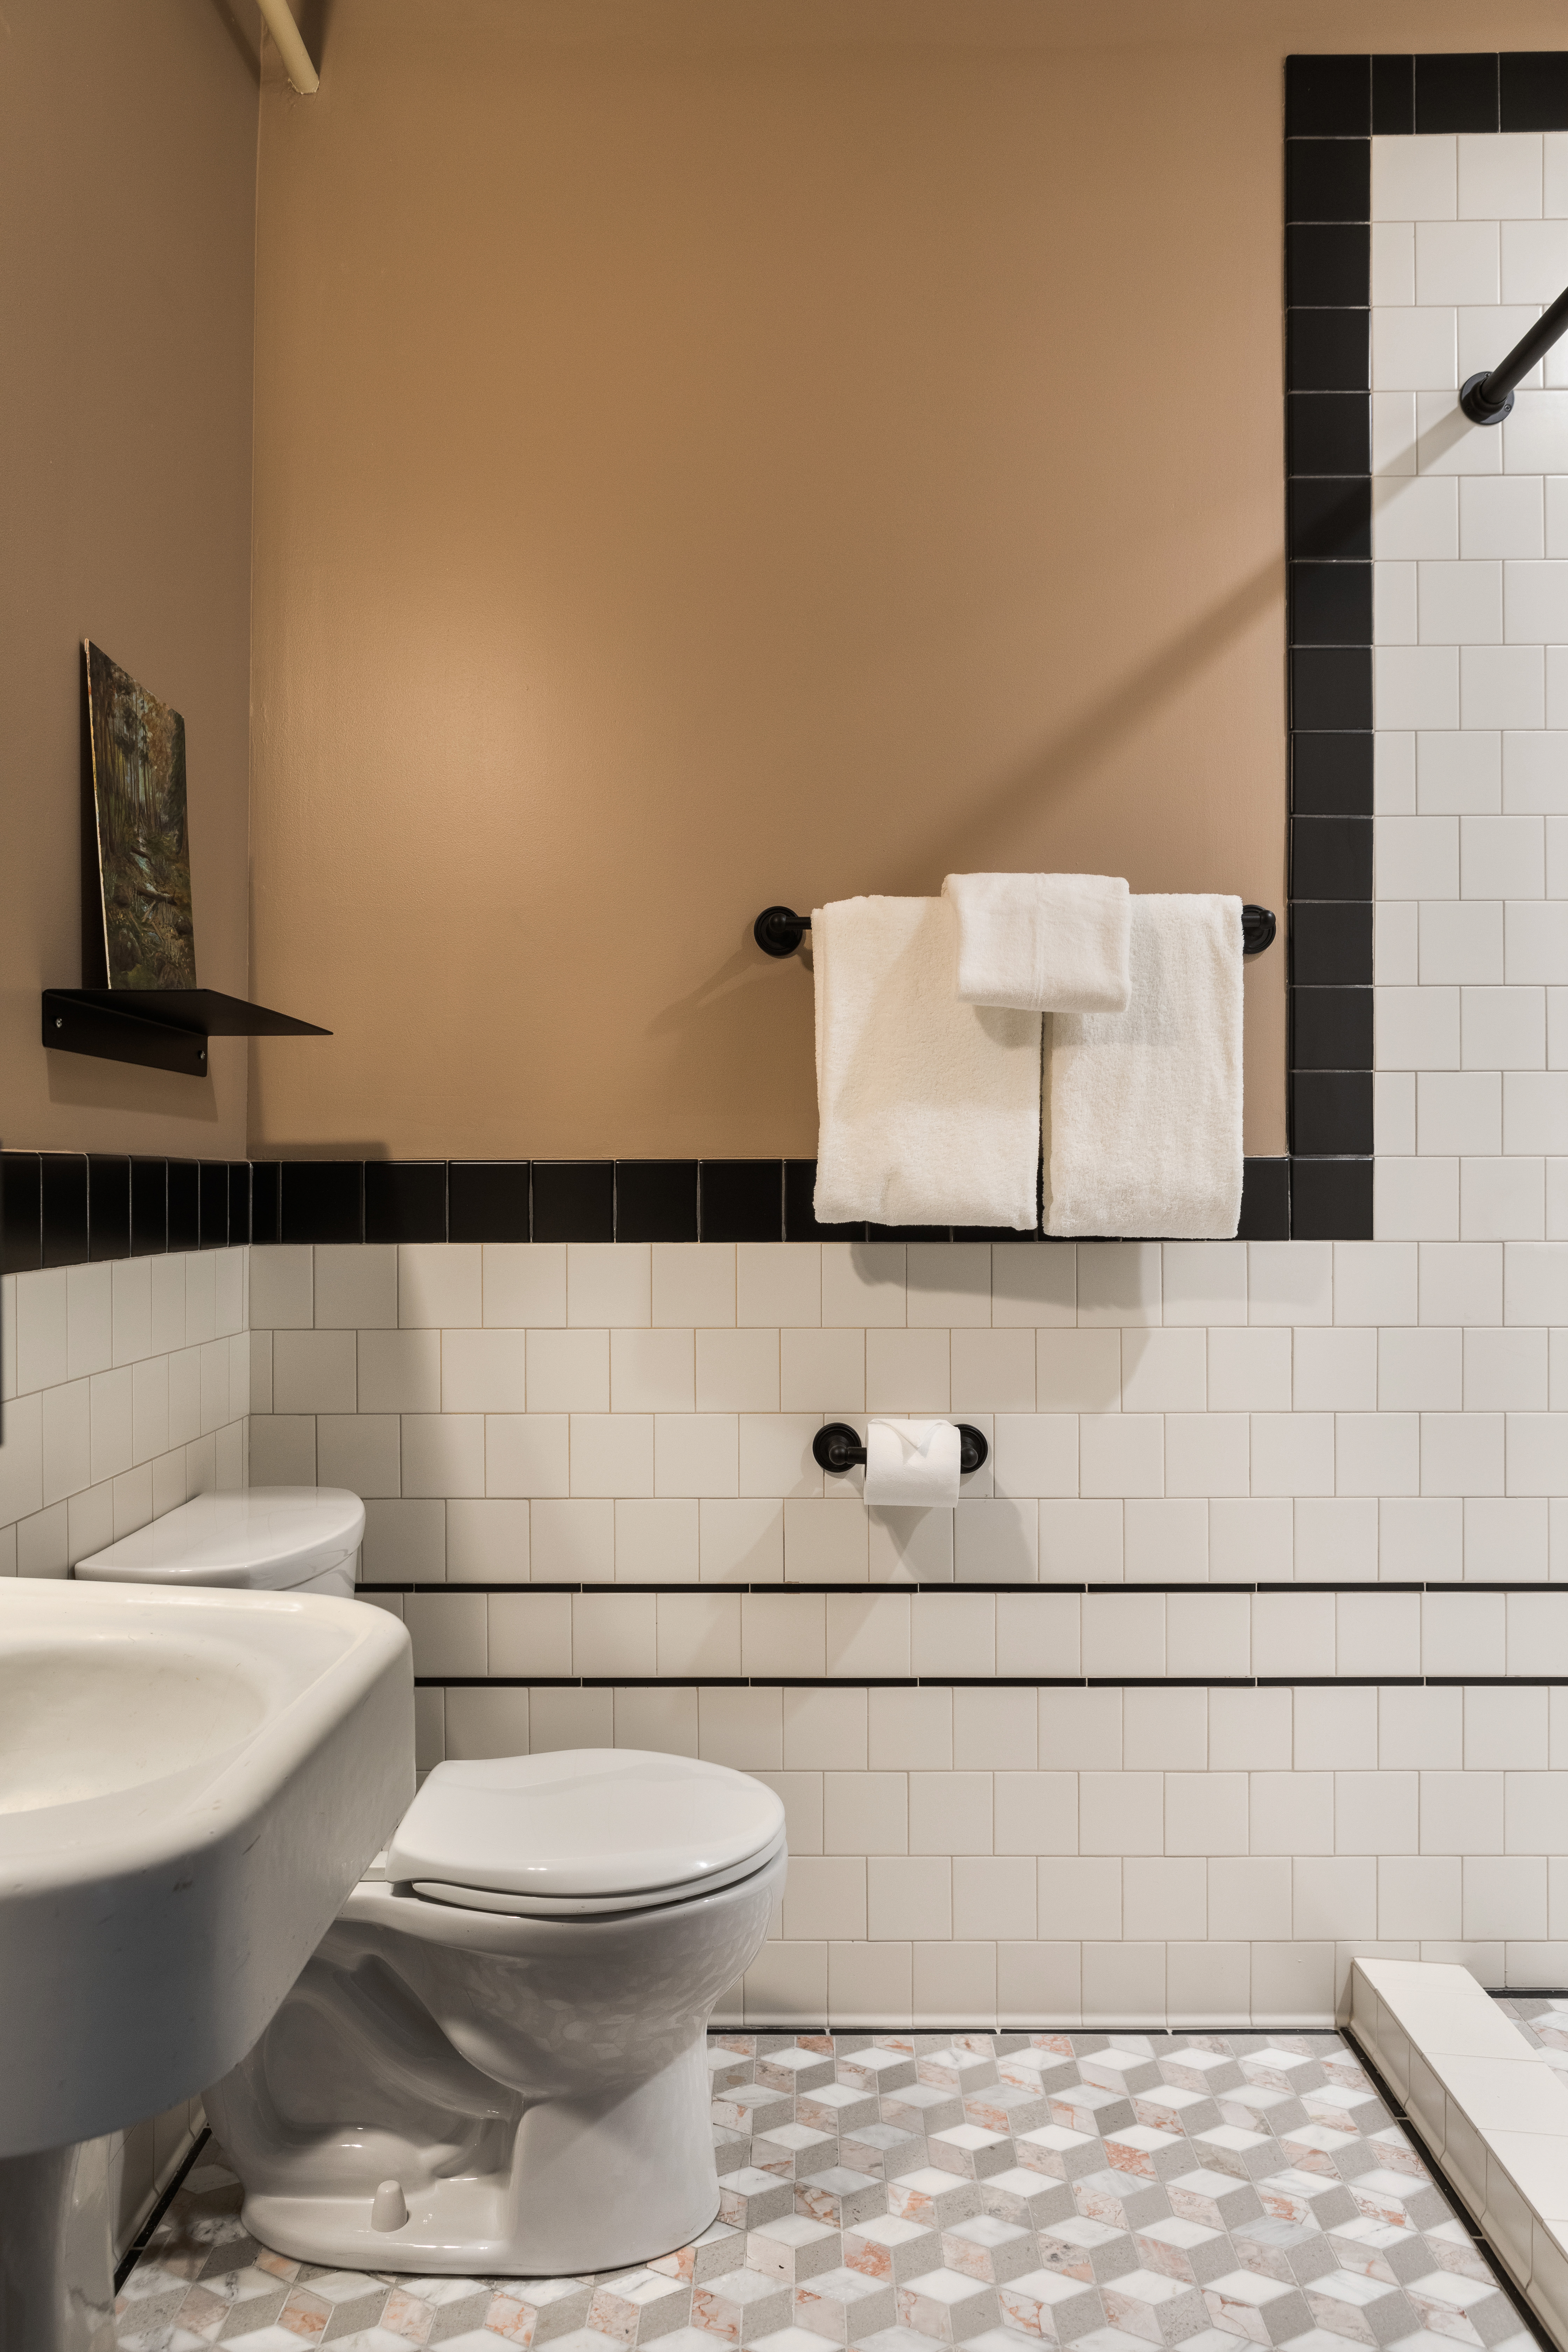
[[138, 768]]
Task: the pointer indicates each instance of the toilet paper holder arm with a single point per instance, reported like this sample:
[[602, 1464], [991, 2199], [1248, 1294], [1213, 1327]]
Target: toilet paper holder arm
[[837, 1447]]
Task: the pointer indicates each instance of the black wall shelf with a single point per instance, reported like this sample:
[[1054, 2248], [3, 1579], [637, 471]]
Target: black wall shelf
[[161, 1029]]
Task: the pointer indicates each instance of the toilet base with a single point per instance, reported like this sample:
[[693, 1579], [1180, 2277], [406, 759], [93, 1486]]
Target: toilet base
[[450, 2233], [536, 2089], [595, 2183]]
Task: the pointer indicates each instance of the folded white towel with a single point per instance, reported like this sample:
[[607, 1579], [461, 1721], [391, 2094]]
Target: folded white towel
[[913, 1461], [1043, 942], [1143, 1110], [928, 1110]]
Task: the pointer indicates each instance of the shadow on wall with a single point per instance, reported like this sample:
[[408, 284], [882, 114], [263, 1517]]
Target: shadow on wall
[[992, 828], [1119, 712]]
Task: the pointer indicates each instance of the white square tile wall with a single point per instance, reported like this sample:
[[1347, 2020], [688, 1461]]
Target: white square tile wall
[[1471, 691], [126, 1391], [1180, 1413]]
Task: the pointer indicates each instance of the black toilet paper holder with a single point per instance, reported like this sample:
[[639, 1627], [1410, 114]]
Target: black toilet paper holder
[[837, 1447]]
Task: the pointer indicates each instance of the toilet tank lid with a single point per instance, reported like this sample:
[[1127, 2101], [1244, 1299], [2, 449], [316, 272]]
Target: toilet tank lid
[[583, 1821], [268, 1538]]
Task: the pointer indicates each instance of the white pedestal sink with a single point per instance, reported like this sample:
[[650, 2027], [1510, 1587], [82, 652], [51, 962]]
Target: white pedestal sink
[[191, 1781]]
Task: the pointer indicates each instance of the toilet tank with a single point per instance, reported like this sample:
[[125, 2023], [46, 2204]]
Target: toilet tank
[[269, 1538]]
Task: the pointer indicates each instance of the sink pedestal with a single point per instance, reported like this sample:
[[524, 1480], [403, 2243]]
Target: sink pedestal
[[57, 2268]]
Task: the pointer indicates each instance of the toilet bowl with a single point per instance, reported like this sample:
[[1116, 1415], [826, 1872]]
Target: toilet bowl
[[494, 2061], [510, 2025], [269, 1538]]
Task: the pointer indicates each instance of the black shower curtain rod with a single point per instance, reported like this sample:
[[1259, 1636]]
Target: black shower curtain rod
[[779, 930], [1487, 399]]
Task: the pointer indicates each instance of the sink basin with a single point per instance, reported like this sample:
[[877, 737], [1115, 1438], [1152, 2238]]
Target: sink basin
[[190, 1783]]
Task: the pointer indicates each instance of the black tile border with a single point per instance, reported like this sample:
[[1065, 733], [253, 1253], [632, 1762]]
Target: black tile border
[[66, 1208], [1334, 106], [1328, 111], [63, 1208]]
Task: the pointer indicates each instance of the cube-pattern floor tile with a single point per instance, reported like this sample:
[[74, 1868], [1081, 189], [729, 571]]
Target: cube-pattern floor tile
[[1011, 2192]]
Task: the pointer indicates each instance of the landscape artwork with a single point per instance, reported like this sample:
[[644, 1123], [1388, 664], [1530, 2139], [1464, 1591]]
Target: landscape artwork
[[143, 847]]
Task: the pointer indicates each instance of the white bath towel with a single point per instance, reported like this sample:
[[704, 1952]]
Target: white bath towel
[[928, 1110], [916, 1462], [1143, 1110], [1043, 942]]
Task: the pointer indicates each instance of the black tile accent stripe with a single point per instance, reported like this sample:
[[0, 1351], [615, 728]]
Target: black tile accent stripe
[[62, 1208], [1334, 106], [1328, 115]]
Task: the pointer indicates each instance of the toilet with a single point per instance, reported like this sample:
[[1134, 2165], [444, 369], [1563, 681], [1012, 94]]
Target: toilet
[[495, 2061], [270, 1538]]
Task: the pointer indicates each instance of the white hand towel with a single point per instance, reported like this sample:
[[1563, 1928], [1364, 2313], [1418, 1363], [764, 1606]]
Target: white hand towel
[[1043, 942], [928, 1110], [1143, 1110], [912, 1461]]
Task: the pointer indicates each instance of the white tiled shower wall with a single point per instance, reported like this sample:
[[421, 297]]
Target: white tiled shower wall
[[1470, 241], [126, 1389]]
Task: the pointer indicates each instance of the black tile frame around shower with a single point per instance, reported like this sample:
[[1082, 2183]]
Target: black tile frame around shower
[[1334, 106], [64, 1208]]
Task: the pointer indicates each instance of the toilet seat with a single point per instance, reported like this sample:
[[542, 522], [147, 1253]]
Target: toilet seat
[[589, 1906], [583, 1833]]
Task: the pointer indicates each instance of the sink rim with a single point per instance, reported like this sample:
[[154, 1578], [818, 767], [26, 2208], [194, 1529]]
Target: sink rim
[[139, 1964]]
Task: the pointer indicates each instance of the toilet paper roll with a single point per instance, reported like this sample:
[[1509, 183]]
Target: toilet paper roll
[[912, 1461]]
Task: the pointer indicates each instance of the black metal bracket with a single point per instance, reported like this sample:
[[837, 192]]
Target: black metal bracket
[[779, 930], [1486, 398], [837, 1448], [158, 1028]]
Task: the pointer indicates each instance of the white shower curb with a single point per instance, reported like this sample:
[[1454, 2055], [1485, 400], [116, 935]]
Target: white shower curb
[[1493, 2113]]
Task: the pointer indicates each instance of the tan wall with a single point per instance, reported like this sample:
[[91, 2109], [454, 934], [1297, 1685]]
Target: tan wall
[[711, 456], [128, 191]]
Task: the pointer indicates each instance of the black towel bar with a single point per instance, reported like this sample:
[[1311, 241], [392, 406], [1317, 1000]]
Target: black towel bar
[[779, 930], [837, 1447]]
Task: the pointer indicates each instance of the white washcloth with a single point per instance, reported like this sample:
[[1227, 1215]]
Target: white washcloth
[[913, 1461], [928, 1110], [1043, 942], [1143, 1110]]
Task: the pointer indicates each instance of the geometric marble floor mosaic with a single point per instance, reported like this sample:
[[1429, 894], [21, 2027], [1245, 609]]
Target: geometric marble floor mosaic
[[1107, 2192]]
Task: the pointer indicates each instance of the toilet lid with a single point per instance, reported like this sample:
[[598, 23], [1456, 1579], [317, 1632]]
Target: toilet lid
[[585, 1824], [266, 1538]]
